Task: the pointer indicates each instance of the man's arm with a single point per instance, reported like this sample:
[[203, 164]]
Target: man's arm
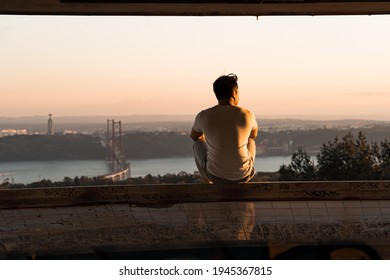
[[195, 135], [255, 127], [254, 133]]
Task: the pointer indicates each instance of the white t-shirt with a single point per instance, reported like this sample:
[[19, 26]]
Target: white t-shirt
[[227, 129]]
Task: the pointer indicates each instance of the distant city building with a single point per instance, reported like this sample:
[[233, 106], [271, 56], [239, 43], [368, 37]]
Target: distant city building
[[68, 131], [11, 132], [50, 129]]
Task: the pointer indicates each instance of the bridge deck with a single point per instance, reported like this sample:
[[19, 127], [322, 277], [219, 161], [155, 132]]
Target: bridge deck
[[134, 218]]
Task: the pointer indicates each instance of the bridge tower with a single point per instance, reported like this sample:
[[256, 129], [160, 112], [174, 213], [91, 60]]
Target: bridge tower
[[115, 151]]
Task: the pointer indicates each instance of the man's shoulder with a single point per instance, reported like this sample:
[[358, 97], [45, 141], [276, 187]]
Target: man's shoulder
[[250, 116], [226, 110], [208, 110], [245, 111], [204, 113]]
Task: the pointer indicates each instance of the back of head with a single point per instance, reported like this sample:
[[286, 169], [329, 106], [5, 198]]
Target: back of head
[[224, 86]]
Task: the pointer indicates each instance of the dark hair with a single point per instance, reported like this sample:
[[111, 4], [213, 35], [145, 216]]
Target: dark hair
[[224, 86]]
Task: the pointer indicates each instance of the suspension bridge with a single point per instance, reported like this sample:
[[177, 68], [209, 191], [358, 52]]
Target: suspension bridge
[[120, 168]]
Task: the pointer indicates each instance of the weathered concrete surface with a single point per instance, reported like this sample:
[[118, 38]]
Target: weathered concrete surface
[[162, 195], [66, 220]]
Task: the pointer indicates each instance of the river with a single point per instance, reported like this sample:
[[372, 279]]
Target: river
[[31, 171]]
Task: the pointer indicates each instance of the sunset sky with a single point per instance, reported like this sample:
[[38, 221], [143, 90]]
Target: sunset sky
[[317, 67]]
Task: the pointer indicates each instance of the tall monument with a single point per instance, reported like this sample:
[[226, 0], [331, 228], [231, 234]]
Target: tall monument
[[50, 129]]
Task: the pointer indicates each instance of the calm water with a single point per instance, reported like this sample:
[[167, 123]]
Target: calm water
[[31, 171]]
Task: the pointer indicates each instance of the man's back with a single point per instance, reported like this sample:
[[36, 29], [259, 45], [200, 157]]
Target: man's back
[[227, 129], [224, 136]]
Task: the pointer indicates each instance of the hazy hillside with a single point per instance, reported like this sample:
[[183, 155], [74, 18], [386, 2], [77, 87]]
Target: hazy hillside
[[58, 147], [153, 136], [163, 144]]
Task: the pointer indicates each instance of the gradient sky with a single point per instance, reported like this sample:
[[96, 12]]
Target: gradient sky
[[287, 66]]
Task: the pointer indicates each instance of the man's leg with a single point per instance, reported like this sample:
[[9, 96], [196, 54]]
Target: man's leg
[[200, 155]]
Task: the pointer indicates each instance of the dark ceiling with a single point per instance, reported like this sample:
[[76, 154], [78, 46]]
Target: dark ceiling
[[194, 7]]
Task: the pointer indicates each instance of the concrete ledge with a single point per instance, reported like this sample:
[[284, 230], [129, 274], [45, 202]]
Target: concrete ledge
[[161, 195], [75, 220]]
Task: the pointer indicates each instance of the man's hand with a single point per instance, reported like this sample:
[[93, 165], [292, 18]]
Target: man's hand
[[195, 135]]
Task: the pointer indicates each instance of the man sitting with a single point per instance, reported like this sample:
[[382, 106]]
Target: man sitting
[[224, 135]]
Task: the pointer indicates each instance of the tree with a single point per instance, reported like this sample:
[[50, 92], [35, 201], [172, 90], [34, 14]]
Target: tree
[[384, 160], [348, 159], [302, 168]]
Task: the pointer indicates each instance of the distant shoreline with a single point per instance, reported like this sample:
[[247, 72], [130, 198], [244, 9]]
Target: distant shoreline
[[4, 120]]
